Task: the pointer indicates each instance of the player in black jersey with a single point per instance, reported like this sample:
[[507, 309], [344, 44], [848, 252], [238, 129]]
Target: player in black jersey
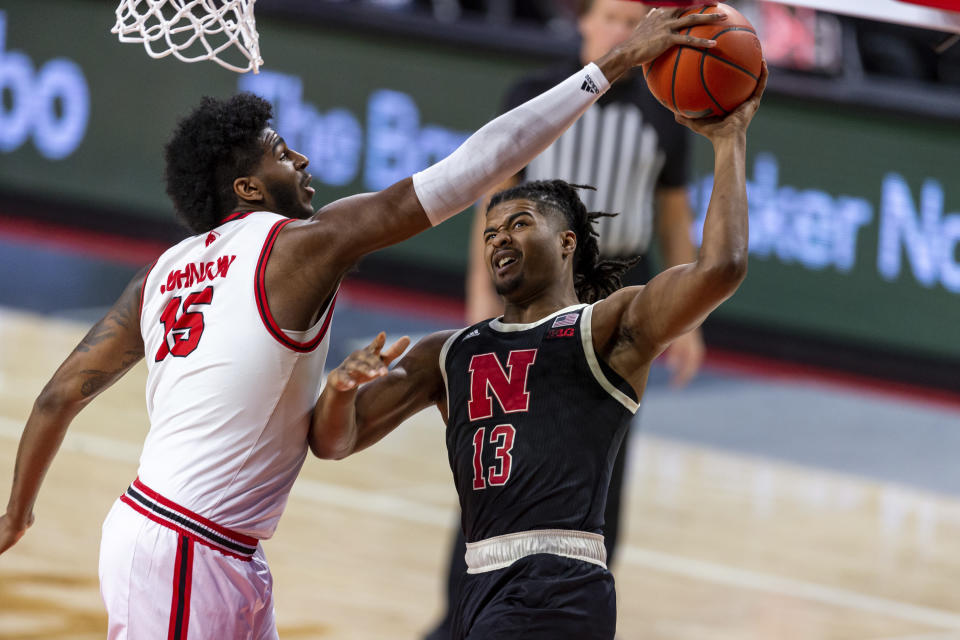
[[536, 402]]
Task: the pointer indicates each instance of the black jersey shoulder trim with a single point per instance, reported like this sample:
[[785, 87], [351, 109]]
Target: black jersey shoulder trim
[[444, 351], [602, 377]]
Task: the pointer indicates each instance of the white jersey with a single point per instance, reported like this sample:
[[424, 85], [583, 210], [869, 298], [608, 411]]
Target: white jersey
[[229, 393]]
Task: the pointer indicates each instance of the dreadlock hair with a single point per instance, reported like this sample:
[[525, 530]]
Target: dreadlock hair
[[593, 278], [215, 144]]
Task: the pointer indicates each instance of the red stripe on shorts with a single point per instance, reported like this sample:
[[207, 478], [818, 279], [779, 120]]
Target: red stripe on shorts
[[180, 604]]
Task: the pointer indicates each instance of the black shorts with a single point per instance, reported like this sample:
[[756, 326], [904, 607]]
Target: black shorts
[[542, 596]]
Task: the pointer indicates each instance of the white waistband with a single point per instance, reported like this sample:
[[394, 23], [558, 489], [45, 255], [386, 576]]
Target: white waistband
[[502, 551]]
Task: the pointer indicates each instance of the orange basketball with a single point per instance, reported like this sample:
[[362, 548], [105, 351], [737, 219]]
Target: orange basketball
[[698, 83]]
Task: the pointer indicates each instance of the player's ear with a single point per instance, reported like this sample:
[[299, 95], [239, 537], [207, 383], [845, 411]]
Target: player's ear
[[568, 242], [249, 188]]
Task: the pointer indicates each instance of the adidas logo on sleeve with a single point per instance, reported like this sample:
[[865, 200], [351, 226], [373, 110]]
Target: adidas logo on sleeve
[[589, 85]]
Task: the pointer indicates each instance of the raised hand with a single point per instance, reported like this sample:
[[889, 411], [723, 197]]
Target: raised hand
[[661, 29], [366, 364], [736, 122]]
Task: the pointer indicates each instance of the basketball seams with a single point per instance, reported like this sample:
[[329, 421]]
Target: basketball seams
[[706, 87], [723, 31], [724, 61], [747, 29], [694, 97], [676, 62], [673, 79]]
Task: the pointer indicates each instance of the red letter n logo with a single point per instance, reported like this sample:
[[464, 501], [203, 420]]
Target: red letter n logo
[[487, 375]]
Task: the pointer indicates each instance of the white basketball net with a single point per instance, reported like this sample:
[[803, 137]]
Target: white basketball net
[[193, 30]]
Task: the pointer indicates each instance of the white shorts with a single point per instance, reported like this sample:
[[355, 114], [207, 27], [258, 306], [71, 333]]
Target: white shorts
[[166, 572]]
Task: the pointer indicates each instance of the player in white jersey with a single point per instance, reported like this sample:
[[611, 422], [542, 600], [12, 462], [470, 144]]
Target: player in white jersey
[[233, 324]]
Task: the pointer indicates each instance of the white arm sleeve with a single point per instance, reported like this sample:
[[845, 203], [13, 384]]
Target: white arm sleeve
[[506, 145]]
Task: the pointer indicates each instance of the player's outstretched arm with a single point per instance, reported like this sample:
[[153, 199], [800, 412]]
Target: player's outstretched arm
[[333, 429], [108, 351], [363, 400], [347, 229], [634, 325]]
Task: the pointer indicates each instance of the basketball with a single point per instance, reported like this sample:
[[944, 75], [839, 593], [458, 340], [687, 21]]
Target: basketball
[[699, 83]]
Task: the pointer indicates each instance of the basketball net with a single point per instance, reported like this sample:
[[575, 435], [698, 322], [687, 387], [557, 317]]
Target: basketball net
[[193, 30]]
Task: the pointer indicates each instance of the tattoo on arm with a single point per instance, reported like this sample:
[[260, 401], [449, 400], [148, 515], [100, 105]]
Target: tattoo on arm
[[120, 316], [122, 324], [96, 381]]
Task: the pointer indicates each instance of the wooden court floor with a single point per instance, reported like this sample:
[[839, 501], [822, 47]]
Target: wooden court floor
[[717, 546]]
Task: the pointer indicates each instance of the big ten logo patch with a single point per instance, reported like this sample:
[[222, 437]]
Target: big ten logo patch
[[566, 332], [564, 326]]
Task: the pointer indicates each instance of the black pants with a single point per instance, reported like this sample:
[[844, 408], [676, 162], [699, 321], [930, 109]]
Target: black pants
[[539, 597], [611, 530]]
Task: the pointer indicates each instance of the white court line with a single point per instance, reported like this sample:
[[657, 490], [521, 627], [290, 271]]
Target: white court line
[[401, 509], [734, 577]]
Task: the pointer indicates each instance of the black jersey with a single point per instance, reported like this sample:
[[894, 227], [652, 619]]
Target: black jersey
[[626, 145], [534, 423]]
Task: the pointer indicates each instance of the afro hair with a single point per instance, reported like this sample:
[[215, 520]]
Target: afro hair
[[215, 144]]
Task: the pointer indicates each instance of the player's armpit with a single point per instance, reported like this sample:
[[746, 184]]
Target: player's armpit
[[634, 325], [616, 341]]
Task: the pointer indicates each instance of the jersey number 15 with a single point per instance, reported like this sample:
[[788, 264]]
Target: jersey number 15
[[181, 334]]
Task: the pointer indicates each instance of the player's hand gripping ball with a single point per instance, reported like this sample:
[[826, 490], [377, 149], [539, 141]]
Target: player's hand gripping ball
[[699, 83]]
